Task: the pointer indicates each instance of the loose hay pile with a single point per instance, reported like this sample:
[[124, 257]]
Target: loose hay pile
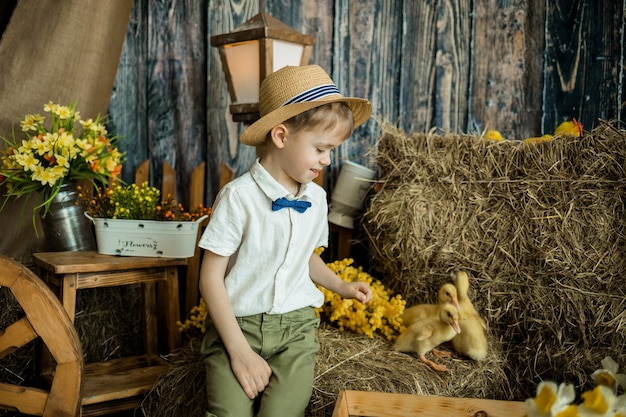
[[540, 228], [346, 361]]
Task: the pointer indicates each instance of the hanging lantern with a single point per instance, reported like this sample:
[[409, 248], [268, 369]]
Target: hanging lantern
[[251, 52]]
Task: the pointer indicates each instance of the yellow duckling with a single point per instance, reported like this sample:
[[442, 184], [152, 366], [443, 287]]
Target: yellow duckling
[[472, 341], [494, 135], [446, 294], [569, 128], [426, 334], [543, 138]]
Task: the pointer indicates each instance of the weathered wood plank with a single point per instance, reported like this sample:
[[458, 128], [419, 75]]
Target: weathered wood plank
[[584, 61], [358, 72], [504, 87], [176, 88], [452, 62], [353, 403], [127, 107], [417, 69]]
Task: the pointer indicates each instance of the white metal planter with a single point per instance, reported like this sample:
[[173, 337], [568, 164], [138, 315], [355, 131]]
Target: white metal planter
[[170, 239]]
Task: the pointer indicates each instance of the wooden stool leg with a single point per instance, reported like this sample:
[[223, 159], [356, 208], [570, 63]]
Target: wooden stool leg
[[68, 294], [152, 324], [169, 307]]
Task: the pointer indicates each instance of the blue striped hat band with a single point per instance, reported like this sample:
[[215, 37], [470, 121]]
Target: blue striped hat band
[[313, 94]]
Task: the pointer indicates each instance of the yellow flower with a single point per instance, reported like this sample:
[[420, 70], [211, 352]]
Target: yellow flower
[[31, 122], [569, 411], [595, 400], [50, 107], [608, 375], [550, 400], [63, 112]]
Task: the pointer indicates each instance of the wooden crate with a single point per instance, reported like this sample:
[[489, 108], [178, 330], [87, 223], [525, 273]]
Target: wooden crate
[[379, 404]]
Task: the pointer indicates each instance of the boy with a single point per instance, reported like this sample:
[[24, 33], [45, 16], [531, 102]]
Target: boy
[[259, 269]]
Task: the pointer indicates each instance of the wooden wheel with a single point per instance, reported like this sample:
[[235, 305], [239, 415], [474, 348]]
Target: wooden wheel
[[44, 318]]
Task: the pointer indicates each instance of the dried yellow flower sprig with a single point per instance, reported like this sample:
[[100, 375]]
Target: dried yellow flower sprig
[[195, 319], [381, 314], [137, 203]]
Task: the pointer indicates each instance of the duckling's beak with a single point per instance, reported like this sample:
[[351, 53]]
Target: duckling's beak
[[456, 327], [455, 302]]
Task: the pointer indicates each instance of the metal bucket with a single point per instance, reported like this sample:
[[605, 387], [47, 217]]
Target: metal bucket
[[65, 225]]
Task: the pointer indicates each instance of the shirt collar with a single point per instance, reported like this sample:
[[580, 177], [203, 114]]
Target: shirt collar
[[270, 187]]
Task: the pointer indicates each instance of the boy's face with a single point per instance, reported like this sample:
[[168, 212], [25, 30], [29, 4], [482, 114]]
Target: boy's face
[[307, 152]]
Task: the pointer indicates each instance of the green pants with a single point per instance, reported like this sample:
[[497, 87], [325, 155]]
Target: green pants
[[288, 342]]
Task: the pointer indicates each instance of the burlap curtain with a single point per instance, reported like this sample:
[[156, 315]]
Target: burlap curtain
[[59, 50]]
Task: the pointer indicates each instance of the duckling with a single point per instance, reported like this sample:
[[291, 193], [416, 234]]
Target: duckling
[[447, 294], [426, 334], [472, 341], [569, 128]]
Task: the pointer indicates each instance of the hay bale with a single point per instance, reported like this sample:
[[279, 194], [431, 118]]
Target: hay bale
[[540, 228]]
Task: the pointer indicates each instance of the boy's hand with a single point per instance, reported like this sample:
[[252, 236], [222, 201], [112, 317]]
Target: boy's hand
[[357, 290], [252, 372]]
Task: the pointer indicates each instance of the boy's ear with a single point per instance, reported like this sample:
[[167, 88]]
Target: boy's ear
[[278, 134]]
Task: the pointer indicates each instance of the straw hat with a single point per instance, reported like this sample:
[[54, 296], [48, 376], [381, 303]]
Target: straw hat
[[294, 90]]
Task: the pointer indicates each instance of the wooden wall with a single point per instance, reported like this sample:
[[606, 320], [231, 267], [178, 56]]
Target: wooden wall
[[519, 66]]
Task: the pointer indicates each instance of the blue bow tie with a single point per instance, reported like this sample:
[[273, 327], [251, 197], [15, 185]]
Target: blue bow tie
[[298, 205]]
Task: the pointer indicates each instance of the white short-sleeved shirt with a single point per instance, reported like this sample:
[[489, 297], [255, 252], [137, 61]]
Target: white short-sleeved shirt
[[268, 269]]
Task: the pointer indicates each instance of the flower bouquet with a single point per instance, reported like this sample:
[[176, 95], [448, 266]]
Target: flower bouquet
[[133, 220], [47, 158]]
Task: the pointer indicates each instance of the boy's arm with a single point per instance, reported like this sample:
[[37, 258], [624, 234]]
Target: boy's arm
[[251, 370], [322, 275]]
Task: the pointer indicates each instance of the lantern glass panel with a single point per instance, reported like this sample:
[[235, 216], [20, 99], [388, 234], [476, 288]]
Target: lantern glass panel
[[243, 65], [286, 53]]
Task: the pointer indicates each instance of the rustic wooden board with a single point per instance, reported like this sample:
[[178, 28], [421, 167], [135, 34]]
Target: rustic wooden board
[[91, 261], [379, 404], [584, 66], [452, 60], [504, 86], [120, 378], [417, 69]]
